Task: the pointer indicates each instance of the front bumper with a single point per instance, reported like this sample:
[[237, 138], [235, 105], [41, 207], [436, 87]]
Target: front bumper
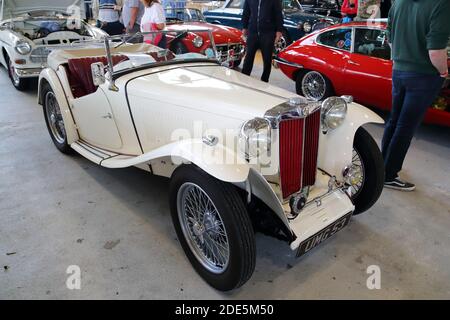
[[28, 72], [324, 207]]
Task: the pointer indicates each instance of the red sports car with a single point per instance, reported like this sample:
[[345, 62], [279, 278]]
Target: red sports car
[[229, 41], [350, 59]]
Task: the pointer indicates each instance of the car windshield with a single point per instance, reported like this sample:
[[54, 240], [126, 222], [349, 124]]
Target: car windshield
[[236, 4], [150, 48], [176, 15], [291, 5], [42, 27]]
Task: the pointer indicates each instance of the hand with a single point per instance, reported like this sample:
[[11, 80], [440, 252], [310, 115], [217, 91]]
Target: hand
[[444, 75], [244, 32], [278, 36], [117, 8]]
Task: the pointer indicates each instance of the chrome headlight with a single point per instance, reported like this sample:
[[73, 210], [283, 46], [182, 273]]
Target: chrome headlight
[[255, 137], [307, 27], [334, 110], [197, 42], [23, 47]]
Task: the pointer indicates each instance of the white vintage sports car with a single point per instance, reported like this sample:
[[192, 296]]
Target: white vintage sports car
[[242, 155], [30, 30]]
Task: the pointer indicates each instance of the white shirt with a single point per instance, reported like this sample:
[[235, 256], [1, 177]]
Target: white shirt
[[153, 14]]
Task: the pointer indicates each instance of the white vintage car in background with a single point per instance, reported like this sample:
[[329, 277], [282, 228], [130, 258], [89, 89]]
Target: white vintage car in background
[[30, 30], [242, 155]]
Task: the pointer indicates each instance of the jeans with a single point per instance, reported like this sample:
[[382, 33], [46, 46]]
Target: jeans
[[265, 42], [412, 94]]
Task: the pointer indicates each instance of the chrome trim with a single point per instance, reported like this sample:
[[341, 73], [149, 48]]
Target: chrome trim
[[285, 62], [288, 110], [29, 73]]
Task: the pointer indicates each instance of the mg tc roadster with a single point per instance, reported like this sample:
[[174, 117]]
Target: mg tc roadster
[[241, 155]]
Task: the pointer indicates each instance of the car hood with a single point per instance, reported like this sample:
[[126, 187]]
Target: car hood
[[221, 34], [210, 89], [12, 8], [298, 15]]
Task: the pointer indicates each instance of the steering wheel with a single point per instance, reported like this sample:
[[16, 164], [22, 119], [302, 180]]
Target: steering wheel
[[43, 32]]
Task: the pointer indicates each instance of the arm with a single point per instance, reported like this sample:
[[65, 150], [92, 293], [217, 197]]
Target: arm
[[439, 60], [95, 9], [437, 37], [133, 15], [279, 20], [389, 26], [161, 18], [245, 17]]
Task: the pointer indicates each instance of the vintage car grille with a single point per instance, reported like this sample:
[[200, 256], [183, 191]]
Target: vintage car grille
[[299, 144], [222, 51], [39, 55]]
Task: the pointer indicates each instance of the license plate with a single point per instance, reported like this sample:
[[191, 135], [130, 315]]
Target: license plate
[[323, 235]]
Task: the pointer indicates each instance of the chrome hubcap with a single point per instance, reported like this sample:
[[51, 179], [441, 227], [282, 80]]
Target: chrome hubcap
[[280, 45], [358, 166], [54, 118], [314, 86], [203, 228]]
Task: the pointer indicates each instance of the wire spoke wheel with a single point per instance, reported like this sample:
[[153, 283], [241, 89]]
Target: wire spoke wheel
[[54, 118], [203, 228], [358, 166], [280, 45], [314, 86]]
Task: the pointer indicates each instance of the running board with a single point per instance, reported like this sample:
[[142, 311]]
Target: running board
[[92, 153]]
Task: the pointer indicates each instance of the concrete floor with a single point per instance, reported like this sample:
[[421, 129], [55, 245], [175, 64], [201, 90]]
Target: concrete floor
[[58, 210]]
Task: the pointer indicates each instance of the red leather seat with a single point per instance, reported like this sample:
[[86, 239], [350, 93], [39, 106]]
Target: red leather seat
[[80, 74]]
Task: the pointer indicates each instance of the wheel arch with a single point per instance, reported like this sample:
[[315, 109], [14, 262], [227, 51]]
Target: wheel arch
[[335, 147], [50, 78], [164, 161]]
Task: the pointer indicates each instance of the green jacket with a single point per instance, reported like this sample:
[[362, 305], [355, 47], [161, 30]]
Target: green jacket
[[416, 26]]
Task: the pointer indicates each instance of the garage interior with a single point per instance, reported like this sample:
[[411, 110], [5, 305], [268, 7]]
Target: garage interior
[[57, 211]]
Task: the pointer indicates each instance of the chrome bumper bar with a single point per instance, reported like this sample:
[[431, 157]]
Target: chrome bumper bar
[[29, 73]]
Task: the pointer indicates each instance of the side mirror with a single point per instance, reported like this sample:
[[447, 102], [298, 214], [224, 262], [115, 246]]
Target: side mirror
[[98, 73]]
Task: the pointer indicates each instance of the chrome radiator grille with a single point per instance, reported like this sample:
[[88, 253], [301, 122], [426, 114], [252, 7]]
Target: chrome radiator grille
[[299, 144]]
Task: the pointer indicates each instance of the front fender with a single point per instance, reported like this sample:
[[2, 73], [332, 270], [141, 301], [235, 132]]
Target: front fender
[[220, 162], [336, 147], [49, 76]]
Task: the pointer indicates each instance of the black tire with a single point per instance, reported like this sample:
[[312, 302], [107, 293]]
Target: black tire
[[373, 165], [239, 230], [62, 146], [178, 47], [20, 84], [329, 91]]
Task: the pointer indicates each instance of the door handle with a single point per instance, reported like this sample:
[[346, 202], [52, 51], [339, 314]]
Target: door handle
[[353, 63], [108, 116]]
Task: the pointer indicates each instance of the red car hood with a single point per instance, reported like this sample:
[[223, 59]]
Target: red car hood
[[221, 34]]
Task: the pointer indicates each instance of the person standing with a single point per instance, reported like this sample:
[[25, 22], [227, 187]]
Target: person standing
[[263, 26], [132, 13], [349, 10], [154, 19], [419, 31], [107, 14]]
